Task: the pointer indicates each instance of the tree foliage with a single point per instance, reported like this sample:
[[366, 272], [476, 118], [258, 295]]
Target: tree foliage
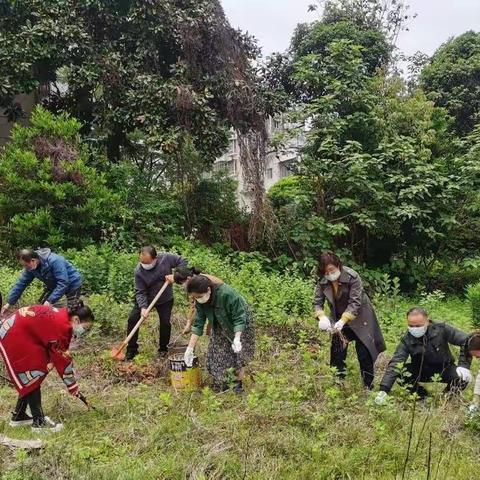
[[453, 79], [50, 192], [381, 178], [172, 69]]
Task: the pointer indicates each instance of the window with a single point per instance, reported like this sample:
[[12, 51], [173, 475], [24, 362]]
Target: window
[[234, 145], [269, 173], [225, 166], [286, 168]]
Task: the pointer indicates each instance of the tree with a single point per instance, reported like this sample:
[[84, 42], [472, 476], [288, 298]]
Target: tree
[[387, 17], [172, 69], [50, 191], [381, 178], [452, 78]]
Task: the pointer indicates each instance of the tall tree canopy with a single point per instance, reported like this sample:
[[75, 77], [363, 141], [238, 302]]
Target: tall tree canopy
[[453, 78], [172, 69]]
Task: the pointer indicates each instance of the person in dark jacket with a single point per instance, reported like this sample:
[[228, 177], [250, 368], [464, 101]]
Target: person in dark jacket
[[352, 317], [59, 276], [427, 345], [150, 275], [232, 342]]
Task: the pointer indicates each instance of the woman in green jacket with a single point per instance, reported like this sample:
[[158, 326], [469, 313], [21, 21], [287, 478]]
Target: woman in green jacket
[[232, 342]]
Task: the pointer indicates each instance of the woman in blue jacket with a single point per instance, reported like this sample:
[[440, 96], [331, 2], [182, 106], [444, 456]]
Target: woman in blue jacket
[[59, 276]]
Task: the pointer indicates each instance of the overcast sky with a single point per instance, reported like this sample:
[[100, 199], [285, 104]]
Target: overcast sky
[[273, 21]]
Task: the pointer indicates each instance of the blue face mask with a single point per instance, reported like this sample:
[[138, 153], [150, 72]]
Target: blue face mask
[[79, 331], [418, 332]]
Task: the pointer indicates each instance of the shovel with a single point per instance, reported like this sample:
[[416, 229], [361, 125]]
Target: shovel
[[117, 352]]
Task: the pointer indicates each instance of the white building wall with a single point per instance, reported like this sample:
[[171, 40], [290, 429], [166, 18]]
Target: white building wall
[[276, 165]]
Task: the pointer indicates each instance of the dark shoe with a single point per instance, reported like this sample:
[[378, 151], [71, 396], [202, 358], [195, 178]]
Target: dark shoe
[[46, 424], [162, 354], [20, 420], [238, 387]]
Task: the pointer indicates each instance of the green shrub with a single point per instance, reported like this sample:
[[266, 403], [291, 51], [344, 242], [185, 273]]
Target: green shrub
[[51, 193], [453, 278], [121, 277], [473, 294], [110, 315], [94, 264], [8, 277]]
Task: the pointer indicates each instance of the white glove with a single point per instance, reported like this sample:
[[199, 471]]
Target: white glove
[[381, 398], [339, 325], [473, 410], [189, 356], [464, 374], [324, 324], [237, 345]]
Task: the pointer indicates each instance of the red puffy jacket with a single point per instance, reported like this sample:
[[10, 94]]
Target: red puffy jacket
[[31, 341]]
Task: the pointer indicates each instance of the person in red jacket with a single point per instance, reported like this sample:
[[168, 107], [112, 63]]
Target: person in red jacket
[[33, 341]]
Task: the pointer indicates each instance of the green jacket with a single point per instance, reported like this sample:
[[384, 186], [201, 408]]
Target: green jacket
[[434, 347], [226, 309]]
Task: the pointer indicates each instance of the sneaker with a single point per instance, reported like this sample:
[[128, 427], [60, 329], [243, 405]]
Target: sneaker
[[162, 354], [46, 424], [20, 420]]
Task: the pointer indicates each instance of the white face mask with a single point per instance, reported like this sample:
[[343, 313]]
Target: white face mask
[[205, 298], [79, 330], [418, 332], [333, 277], [148, 266]]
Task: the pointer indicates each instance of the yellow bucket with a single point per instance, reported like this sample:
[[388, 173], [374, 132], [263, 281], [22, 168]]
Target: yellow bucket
[[182, 377]]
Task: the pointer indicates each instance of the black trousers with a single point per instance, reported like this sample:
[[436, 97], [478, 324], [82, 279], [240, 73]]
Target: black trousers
[[423, 372], [32, 400], [72, 297], [164, 311], [338, 355]]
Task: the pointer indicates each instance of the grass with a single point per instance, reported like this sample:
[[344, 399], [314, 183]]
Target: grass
[[295, 422]]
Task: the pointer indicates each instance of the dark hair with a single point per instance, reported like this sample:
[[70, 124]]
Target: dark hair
[[149, 250], [199, 284], [474, 342], [328, 258], [27, 255], [83, 312], [417, 311], [181, 274]]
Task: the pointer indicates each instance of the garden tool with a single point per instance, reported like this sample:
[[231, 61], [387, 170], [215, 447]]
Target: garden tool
[[116, 352], [83, 399]]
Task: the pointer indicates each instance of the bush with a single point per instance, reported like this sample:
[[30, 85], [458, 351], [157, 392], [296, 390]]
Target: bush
[[94, 264], [473, 295], [110, 315], [453, 278], [8, 277], [51, 194]]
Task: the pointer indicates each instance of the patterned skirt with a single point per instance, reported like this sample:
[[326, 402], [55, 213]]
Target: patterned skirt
[[221, 357]]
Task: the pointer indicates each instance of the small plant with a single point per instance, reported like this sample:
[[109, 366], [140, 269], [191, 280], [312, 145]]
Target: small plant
[[473, 295], [432, 299]]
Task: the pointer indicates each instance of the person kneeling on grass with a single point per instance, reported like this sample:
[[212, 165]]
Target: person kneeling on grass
[[33, 341], [427, 344], [232, 342]]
